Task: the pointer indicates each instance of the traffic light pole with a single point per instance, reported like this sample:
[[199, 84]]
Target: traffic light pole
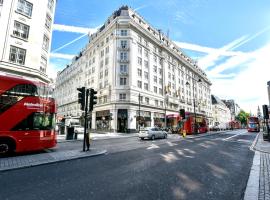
[[85, 135]]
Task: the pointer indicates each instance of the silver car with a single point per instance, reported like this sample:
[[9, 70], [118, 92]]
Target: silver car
[[152, 133]]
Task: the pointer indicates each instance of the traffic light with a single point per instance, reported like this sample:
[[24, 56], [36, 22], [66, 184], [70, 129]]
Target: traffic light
[[265, 112], [93, 99], [81, 97], [182, 113]]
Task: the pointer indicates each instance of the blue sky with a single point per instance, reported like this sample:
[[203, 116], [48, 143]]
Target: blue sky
[[229, 39]]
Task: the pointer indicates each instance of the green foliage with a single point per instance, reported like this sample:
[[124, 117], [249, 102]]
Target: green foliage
[[242, 117]]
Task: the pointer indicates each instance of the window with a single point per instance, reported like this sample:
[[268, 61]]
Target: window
[[50, 4], [107, 50], [123, 68], [155, 69], [106, 61], [160, 71], [156, 102], [1, 2], [155, 89], [155, 58], [139, 61], [123, 80], [48, 22], [102, 53], [139, 38], [146, 75], [145, 43], [106, 72], [140, 50], [123, 56], [155, 79], [36, 121], [160, 81], [122, 96], [146, 63], [139, 84], [101, 75], [123, 44], [146, 100], [160, 91], [25, 8], [123, 32], [146, 86], [145, 53], [21, 30], [17, 55], [139, 72], [161, 103], [45, 44]]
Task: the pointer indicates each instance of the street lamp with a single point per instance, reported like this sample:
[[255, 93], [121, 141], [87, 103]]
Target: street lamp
[[195, 123]]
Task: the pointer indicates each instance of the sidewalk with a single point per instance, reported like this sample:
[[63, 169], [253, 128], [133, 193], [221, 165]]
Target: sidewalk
[[258, 186], [98, 136], [44, 157]]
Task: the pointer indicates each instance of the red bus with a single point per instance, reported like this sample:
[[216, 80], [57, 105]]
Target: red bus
[[27, 115], [234, 124], [177, 125], [253, 124]]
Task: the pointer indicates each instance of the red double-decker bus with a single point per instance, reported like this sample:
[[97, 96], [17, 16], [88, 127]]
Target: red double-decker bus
[[177, 125], [253, 124], [27, 115]]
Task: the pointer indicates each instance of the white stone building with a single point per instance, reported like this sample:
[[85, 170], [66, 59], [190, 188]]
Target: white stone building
[[25, 37], [221, 114], [126, 60]]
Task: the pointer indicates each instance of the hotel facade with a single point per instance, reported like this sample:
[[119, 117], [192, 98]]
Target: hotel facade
[[139, 73]]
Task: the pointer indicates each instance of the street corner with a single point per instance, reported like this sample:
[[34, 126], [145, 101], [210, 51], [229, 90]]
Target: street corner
[[50, 156]]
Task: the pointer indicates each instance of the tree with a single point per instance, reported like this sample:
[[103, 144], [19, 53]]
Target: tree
[[242, 117]]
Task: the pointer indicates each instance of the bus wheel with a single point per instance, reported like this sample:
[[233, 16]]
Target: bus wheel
[[6, 147]]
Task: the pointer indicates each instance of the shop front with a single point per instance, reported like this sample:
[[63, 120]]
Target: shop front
[[103, 120], [143, 120], [159, 119]]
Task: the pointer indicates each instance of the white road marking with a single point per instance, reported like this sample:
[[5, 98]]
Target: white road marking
[[225, 139]]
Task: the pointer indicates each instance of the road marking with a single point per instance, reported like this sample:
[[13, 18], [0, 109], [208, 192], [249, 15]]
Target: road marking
[[225, 139]]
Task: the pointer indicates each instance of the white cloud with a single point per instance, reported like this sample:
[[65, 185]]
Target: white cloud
[[73, 29], [61, 55], [248, 88], [52, 70]]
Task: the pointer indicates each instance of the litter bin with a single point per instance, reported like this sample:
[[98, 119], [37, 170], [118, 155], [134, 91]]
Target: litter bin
[[70, 133]]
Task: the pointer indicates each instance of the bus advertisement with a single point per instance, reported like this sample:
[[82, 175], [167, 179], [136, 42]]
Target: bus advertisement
[[253, 124], [27, 115], [177, 125]]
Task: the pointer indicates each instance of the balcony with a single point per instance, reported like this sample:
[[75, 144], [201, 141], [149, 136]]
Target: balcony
[[123, 47], [123, 60], [123, 73]]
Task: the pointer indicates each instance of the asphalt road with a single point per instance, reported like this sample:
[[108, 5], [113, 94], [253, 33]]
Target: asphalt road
[[214, 167]]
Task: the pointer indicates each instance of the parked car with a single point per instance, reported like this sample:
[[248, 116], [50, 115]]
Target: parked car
[[152, 133], [78, 129]]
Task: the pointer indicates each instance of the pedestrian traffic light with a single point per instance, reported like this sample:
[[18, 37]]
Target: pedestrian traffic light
[[265, 112], [182, 113], [81, 97], [93, 99]]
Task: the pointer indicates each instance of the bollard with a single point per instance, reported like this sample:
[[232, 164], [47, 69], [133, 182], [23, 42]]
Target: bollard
[[184, 133]]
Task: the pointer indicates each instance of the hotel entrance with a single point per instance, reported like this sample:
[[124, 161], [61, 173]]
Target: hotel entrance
[[122, 119]]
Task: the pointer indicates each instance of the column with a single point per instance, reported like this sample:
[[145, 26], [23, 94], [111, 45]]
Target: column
[[152, 119], [132, 120]]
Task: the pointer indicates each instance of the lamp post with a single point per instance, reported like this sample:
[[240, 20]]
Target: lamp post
[[139, 112], [194, 107]]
